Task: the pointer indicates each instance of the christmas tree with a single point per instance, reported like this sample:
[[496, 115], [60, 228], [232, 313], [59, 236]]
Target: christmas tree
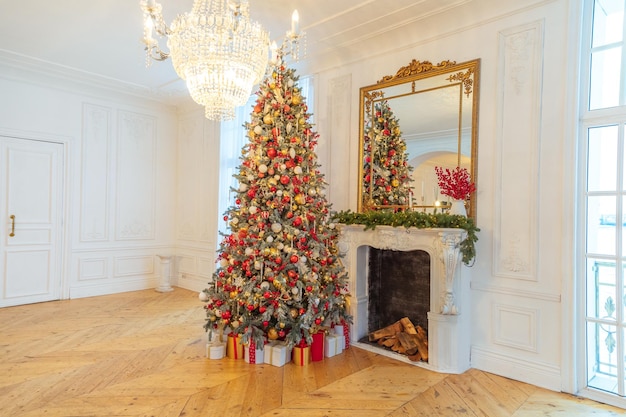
[[386, 169], [279, 274]]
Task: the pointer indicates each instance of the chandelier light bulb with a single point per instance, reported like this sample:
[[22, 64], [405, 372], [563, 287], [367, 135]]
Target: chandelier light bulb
[[295, 22]]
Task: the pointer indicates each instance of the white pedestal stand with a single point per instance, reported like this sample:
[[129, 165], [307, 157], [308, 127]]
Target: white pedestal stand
[[166, 272]]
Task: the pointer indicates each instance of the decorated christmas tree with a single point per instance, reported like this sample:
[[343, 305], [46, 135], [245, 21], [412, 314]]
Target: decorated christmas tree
[[386, 169], [279, 274]]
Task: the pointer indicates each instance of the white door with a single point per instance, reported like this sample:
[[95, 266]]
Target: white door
[[31, 178]]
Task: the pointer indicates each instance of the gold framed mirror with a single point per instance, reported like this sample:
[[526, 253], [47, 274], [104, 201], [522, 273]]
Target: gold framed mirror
[[431, 111]]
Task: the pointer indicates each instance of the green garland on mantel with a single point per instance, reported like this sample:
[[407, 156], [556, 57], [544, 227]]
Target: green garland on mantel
[[371, 219]]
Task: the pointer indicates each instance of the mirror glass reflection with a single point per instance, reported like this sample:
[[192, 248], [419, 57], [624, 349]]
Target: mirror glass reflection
[[433, 111]]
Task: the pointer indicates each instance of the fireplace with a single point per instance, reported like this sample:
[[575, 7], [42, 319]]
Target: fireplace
[[398, 285], [448, 313]]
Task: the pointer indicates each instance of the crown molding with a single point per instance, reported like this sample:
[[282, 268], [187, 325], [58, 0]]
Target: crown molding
[[20, 67]]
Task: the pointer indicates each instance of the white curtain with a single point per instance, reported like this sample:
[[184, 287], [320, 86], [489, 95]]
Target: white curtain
[[233, 136]]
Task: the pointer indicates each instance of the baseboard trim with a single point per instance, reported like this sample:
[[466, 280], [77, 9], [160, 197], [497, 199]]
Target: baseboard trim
[[536, 373], [192, 283], [107, 288]]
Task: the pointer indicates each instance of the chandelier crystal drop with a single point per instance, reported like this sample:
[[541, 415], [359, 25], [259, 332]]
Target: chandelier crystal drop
[[216, 49]]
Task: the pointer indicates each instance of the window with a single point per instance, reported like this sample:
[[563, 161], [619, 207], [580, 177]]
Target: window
[[603, 116], [233, 136]]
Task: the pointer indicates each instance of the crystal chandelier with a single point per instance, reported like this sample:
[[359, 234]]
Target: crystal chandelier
[[215, 48]]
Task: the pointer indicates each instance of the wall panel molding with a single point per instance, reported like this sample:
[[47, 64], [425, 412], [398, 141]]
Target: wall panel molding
[[519, 368], [136, 176], [95, 185], [90, 269], [518, 142], [517, 292], [134, 265], [339, 105], [515, 327]]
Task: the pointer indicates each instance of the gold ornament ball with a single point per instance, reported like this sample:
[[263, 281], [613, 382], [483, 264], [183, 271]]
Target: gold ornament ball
[[300, 199], [272, 334], [294, 313]]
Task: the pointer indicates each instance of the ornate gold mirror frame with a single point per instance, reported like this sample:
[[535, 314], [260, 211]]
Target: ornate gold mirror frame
[[435, 109]]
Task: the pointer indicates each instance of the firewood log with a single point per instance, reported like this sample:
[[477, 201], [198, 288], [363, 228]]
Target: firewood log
[[390, 330], [409, 342], [389, 341], [408, 326], [422, 345], [397, 347]]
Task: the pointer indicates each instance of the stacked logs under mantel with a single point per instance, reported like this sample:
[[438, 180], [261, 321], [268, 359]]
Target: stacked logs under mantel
[[402, 337]]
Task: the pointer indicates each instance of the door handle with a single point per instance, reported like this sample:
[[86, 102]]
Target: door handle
[[12, 216]]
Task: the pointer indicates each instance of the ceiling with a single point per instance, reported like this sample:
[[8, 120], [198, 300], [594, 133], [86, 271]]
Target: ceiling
[[99, 40]]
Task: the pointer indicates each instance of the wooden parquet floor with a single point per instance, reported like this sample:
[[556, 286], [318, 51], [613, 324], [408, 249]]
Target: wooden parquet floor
[[142, 354]]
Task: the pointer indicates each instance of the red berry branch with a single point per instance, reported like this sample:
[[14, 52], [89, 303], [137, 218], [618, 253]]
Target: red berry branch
[[456, 184]]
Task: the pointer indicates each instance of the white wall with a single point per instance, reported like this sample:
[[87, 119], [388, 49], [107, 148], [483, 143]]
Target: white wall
[[120, 176], [517, 279]]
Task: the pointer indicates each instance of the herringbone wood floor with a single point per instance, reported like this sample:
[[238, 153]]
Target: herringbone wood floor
[[142, 354]]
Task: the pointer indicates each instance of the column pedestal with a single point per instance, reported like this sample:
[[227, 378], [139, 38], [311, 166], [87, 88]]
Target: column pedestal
[[166, 273]]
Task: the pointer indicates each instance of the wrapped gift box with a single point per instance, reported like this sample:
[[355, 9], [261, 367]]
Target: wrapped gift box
[[301, 355], [276, 353], [346, 333], [317, 346], [333, 345], [253, 355], [343, 329], [234, 348], [215, 350], [338, 329]]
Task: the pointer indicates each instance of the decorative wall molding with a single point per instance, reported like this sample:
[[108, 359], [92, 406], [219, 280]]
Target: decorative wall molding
[[108, 287], [205, 267], [517, 292], [187, 264], [339, 106], [195, 170], [136, 176], [93, 268], [518, 140], [23, 68], [133, 265], [515, 327], [515, 367], [96, 168], [123, 249]]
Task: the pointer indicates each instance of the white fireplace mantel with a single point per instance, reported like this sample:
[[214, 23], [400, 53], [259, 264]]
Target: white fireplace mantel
[[448, 318]]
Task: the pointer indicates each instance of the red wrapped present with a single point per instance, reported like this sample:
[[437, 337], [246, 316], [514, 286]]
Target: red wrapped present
[[317, 347]]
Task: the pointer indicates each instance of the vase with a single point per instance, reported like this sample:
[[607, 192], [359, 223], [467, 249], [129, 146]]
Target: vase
[[458, 208]]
